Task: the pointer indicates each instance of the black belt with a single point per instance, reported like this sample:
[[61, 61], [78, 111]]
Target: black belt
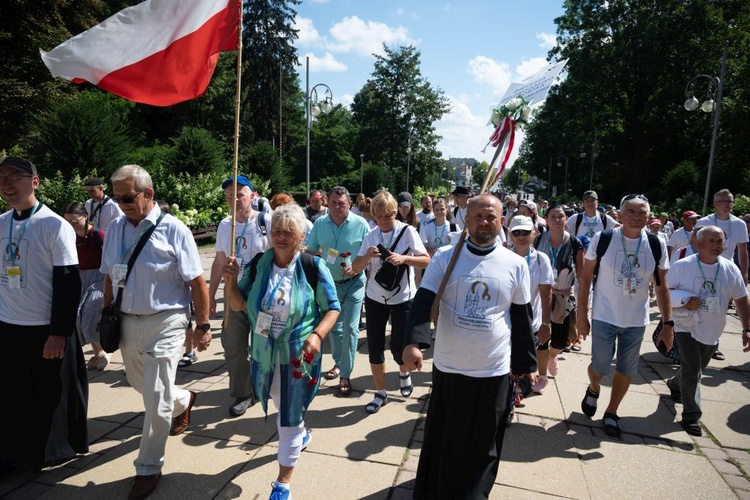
[[341, 282]]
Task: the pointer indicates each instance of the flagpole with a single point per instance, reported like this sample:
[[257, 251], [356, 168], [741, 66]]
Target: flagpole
[[459, 245], [235, 159]]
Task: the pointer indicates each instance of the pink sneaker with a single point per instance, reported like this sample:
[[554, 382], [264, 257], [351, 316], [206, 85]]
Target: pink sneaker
[[553, 367], [541, 384]]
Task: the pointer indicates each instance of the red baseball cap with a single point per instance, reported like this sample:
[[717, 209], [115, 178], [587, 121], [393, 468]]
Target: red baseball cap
[[689, 214]]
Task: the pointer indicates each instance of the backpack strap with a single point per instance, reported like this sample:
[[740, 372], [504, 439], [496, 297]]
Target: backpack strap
[[308, 266], [260, 219], [683, 251], [655, 244], [453, 227], [403, 230], [605, 237], [603, 217], [579, 219]]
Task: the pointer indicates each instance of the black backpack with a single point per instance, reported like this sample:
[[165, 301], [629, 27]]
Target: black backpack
[[579, 219], [605, 237], [308, 266]]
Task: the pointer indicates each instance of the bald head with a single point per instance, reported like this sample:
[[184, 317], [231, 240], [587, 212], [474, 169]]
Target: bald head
[[484, 219]]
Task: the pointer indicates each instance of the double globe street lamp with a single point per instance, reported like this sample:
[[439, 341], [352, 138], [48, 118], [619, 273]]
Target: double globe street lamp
[[314, 108], [712, 104]]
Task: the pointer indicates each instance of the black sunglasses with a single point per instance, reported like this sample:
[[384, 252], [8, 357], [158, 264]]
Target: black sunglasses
[[126, 199], [633, 197], [520, 232]]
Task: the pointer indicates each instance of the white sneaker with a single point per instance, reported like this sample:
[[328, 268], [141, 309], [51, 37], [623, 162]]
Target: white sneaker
[[553, 367], [541, 384]]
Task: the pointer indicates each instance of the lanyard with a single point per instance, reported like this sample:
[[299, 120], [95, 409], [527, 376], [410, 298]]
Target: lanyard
[[554, 252], [716, 223], [237, 240], [340, 229], [440, 238], [393, 231], [635, 256], [123, 250], [711, 284], [528, 259], [10, 234], [269, 304]]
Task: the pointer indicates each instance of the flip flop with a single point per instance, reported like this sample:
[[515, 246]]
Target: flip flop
[[333, 373]]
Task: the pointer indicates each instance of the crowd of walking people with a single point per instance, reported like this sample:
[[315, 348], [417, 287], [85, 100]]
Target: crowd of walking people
[[499, 286]]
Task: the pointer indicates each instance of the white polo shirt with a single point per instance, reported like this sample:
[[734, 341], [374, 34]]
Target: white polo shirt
[[158, 281]]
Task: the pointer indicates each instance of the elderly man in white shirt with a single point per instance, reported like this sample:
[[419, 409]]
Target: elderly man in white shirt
[[155, 303]]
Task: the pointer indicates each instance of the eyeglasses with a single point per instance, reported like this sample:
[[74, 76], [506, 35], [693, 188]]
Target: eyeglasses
[[128, 199], [634, 197], [520, 232], [13, 178], [73, 218], [724, 201]]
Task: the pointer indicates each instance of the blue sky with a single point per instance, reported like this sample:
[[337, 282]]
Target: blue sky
[[471, 50]]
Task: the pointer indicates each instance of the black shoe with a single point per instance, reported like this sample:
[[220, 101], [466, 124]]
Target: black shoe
[[692, 428], [675, 395], [240, 406], [588, 409], [611, 425]]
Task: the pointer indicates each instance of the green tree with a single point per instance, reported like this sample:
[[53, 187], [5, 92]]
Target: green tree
[[90, 132], [263, 160], [332, 139], [628, 63], [26, 88], [396, 110], [196, 151]]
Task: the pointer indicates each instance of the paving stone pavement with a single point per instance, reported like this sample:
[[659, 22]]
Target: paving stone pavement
[[551, 450]]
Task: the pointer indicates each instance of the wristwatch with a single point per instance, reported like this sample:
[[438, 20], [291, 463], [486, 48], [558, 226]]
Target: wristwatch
[[669, 323], [205, 327]]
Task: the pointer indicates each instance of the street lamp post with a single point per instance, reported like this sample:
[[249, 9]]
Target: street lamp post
[[313, 108], [361, 173], [594, 154], [559, 164], [408, 160], [712, 103]]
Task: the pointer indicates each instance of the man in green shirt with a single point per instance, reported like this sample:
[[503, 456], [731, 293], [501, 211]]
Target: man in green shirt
[[336, 237]]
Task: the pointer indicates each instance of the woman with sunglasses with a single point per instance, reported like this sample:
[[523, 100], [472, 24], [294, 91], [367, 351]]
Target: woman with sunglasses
[[522, 233], [89, 242], [403, 247], [566, 256]]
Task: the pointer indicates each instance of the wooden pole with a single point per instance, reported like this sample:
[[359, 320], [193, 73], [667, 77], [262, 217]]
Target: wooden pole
[[435, 309], [235, 159]]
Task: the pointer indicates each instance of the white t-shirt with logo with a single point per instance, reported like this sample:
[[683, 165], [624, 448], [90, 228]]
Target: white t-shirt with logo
[[473, 331], [409, 244], [424, 218], [589, 225], [610, 302], [735, 230], [679, 238], [249, 240], [714, 289], [279, 305], [540, 272], [48, 241], [434, 235]]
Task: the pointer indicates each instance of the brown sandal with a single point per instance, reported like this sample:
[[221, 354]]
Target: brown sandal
[[345, 388], [333, 373]]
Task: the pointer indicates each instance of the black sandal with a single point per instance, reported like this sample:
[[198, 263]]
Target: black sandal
[[345, 388], [611, 425], [407, 389], [376, 403]]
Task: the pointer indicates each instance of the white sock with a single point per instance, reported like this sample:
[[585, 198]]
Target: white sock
[[405, 381], [283, 486], [382, 393]]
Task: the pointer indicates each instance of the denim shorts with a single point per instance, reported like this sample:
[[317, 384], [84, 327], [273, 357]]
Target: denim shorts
[[628, 342]]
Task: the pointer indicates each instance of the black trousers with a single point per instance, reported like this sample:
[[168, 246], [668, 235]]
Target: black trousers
[[377, 319], [463, 436]]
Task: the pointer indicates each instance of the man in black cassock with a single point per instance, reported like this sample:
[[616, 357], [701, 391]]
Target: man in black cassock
[[482, 335]]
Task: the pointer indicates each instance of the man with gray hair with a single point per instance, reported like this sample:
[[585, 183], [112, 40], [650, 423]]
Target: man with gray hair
[[250, 238], [701, 286], [156, 293], [337, 238], [625, 259]]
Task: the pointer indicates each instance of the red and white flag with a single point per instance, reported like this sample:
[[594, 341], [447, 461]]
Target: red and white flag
[[159, 52]]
